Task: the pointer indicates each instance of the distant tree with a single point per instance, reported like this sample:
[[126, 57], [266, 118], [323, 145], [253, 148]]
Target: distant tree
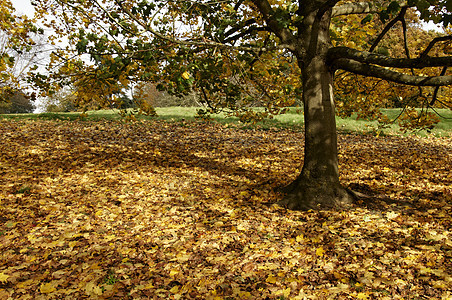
[[123, 101], [148, 92], [61, 101], [17, 103]]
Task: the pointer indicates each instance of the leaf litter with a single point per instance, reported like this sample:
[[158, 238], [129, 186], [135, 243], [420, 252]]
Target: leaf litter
[[186, 210]]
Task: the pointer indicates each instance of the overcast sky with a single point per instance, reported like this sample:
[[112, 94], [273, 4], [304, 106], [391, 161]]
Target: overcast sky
[[23, 7]]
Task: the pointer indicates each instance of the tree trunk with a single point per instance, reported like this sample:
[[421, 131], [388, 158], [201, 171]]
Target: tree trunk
[[318, 184]]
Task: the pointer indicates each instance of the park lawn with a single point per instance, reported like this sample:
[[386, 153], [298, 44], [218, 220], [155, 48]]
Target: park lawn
[[292, 119], [187, 210]]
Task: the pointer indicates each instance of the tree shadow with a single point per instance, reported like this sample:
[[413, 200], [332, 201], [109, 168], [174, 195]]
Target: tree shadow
[[235, 159], [369, 198], [398, 173]]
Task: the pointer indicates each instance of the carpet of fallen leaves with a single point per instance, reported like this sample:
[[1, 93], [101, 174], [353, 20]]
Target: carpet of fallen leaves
[[185, 210]]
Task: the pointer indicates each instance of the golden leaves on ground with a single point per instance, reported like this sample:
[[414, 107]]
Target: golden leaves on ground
[[183, 210]]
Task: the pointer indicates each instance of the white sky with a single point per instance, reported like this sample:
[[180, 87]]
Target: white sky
[[23, 7]]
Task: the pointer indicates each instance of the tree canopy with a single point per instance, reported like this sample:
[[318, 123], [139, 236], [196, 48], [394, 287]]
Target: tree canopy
[[17, 41], [231, 53], [235, 54]]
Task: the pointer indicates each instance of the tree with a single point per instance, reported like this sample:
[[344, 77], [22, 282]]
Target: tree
[[61, 101], [19, 50], [237, 52], [17, 103], [147, 92]]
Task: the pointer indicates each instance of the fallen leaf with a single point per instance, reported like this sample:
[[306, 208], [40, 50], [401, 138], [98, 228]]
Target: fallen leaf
[[3, 277], [47, 288]]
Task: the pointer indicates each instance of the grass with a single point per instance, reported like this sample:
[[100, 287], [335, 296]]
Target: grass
[[292, 119]]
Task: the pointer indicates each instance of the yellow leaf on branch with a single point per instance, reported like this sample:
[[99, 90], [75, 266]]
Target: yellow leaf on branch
[[186, 75]]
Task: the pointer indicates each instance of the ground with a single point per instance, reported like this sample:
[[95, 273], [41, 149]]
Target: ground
[[186, 210]]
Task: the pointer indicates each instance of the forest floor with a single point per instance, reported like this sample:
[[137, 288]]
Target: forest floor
[[186, 210]]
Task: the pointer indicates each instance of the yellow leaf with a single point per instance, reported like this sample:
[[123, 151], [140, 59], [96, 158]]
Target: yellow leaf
[[319, 251], [148, 286], [97, 290], [92, 288], [3, 277], [283, 292], [439, 285], [25, 283], [244, 295], [173, 273], [175, 289], [361, 296], [47, 288], [391, 215], [271, 279], [299, 238], [241, 227], [181, 258], [186, 75]]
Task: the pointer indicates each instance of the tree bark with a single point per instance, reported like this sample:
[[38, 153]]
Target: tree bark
[[318, 184]]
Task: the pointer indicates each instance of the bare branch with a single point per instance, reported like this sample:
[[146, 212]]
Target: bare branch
[[204, 43], [405, 38], [237, 5], [239, 26], [405, 45], [433, 42], [379, 72], [399, 17], [244, 33], [435, 92]]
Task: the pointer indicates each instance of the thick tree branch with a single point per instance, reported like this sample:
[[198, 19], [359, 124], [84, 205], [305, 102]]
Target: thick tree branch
[[359, 8], [379, 72], [384, 61], [353, 8], [282, 33], [325, 7], [238, 30]]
